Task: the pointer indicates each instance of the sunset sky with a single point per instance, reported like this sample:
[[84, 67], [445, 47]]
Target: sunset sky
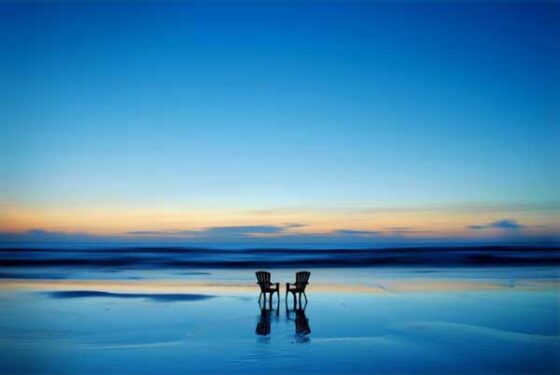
[[370, 123]]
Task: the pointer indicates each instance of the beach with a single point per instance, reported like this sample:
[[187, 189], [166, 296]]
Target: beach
[[201, 321], [396, 162]]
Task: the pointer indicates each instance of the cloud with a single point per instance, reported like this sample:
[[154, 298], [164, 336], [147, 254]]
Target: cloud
[[246, 235], [504, 224], [405, 231], [225, 231], [471, 207], [281, 235], [154, 232], [398, 229], [355, 233], [40, 235], [243, 230], [294, 225]]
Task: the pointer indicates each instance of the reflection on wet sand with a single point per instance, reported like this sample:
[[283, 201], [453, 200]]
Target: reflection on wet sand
[[296, 315], [302, 328], [263, 325], [356, 321]]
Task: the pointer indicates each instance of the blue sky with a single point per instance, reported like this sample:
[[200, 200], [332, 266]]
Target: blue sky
[[227, 108]]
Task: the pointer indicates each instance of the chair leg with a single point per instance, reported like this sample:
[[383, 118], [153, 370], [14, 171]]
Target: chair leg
[[260, 296], [305, 296]]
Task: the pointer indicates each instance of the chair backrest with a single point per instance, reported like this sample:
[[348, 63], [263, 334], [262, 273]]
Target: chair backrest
[[263, 278], [302, 279]]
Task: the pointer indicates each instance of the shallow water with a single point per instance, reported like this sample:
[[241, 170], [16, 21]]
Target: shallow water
[[361, 320]]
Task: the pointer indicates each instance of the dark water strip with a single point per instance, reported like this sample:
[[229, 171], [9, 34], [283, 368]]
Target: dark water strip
[[173, 297], [257, 258]]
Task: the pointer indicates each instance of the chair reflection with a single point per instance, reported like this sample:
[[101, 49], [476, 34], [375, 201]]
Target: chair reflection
[[263, 325], [301, 321]]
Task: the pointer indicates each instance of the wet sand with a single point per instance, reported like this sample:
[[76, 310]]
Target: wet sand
[[363, 321]]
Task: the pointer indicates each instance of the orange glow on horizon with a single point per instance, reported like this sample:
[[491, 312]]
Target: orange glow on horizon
[[119, 221]]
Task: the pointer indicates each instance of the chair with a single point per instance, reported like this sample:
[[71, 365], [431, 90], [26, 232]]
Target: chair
[[302, 279], [263, 279]]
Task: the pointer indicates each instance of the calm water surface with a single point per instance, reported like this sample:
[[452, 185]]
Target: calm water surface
[[365, 320]]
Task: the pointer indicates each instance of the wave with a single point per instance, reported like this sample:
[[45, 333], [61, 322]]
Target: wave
[[164, 257]]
